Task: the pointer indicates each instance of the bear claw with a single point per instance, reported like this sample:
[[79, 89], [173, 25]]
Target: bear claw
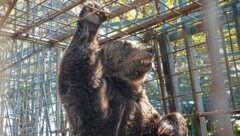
[[95, 13]]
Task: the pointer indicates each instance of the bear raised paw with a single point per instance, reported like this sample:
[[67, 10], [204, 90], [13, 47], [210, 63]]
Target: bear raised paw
[[101, 88]]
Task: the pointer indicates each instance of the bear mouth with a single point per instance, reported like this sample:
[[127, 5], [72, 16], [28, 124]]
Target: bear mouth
[[144, 61]]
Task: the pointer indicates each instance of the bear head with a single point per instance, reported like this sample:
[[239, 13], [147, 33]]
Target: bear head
[[126, 60]]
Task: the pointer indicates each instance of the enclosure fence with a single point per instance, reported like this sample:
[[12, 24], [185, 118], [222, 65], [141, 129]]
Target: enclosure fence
[[197, 45]]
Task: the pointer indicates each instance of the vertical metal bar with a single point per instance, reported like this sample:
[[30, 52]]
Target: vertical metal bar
[[231, 43], [37, 96], [43, 88], [168, 69], [58, 107], [162, 9], [29, 114], [237, 23], [16, 92], [237, 26], [158, 65], [19, 91], [227, 68], [8, 116], [6, 99], [195, 84], [224, 127], [160, 78], [62, 123]]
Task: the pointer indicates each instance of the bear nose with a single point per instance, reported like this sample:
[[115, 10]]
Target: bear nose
[[151, 51]]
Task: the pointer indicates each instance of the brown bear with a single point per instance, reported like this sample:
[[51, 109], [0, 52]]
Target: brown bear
[[101, 88]]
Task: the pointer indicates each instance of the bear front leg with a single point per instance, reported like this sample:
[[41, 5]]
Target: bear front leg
[[80, 75], [80, 62], [172, 125]]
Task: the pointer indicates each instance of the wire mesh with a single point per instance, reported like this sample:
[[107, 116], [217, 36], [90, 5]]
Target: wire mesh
[[35, 32]]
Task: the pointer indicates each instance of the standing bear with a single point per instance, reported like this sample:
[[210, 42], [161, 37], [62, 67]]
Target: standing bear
[[101, 88]]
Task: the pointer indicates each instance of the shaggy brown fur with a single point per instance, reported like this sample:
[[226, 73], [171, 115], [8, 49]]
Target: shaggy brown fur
[[101, 89]]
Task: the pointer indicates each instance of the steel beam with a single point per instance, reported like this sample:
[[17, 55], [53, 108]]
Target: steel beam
[[31, 39], [44, 20], [5, 2], [9, 10], [178, 12], [195, 83], [115, 13], [62, 37]]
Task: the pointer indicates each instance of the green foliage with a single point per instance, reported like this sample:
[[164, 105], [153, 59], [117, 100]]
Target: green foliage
[[170, 3], [130, 15], [199, 38], [122, 1], [145, 10], [225, 2], [236, 128]]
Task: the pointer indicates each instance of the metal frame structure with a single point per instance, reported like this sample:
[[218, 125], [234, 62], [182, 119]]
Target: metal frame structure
[[197, 59]]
